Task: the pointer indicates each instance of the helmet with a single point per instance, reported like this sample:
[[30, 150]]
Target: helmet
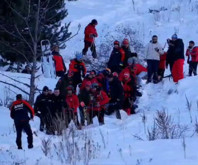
[[132, 60], [125, 41], [95, 85], [79, 56], [116, 42]]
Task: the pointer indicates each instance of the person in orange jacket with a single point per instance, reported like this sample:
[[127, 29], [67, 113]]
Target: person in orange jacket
[[192, 54], [98, 100], [59, 62], [19, 113], [72, 105], [77, 66], [162, 66], [90, 35]]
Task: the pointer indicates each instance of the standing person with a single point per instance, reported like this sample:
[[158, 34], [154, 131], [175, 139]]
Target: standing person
[[77, 66], [127, 50], [43, 108], [116, 59], [153, 51], [59, 105], [84, 99], [116, 96], [59, 62], [89, 40], [19, 113], [192, 54], [98, 99], [177, 57]]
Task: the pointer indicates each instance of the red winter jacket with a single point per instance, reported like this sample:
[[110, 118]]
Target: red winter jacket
[[72, 102], [76, 66], [59, 63], [192, 54], [89, 31], [137, 69], [19, 110], [162, 63], [100, 99], [128, 90], [93, 80]]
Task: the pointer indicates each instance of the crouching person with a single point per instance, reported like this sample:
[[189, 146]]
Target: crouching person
[[98, 99], [129, 93], [116, 93], [19, 113], [72, 105]]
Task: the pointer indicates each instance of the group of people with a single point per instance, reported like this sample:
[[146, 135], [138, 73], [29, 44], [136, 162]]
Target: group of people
[[86, 94], [158, 60]]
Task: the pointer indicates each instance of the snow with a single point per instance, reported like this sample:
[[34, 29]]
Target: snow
[[118, 142]]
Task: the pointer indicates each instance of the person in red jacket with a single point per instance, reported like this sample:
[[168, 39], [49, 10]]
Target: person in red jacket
[[162, 66], [59, 62], [91, 77], [19, 113], [90, 34], [98, 99], [129, 94], [192, 54], [72, 105], [117, 58], [77, 66]]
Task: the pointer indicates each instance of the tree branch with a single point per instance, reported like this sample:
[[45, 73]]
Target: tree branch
[[14, 87]]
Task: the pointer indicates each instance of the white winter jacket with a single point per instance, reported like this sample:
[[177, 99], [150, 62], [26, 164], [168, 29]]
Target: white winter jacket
[[151, 53]]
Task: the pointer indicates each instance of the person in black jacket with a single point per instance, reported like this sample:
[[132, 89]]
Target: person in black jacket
[[59, 106], [116, 95], [84, 99], [175, 57], [43, 109], [19, 113], [116, 59], [127, 50]]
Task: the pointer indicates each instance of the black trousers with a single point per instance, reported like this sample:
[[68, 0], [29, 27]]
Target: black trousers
[[152, 70], [60, 73], [192, 68], [20, 126], [92, 48], [161, 73], [99, 114], [114, 107]]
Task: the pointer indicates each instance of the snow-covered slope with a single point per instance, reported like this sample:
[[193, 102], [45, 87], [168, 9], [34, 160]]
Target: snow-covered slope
[[124, 142]]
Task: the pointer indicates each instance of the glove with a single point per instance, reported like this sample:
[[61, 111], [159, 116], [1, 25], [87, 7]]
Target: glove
[[121, 64]]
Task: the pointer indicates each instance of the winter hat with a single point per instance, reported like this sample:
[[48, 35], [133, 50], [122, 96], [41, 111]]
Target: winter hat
[[125, 41], [116, 42], [88, 83], [174, 36], [94, 22], [126, 75], [79, 56], [45, 89], [19, 97], [132, 60]]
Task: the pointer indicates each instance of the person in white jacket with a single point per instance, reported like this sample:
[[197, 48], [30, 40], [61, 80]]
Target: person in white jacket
[[153, 51]]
